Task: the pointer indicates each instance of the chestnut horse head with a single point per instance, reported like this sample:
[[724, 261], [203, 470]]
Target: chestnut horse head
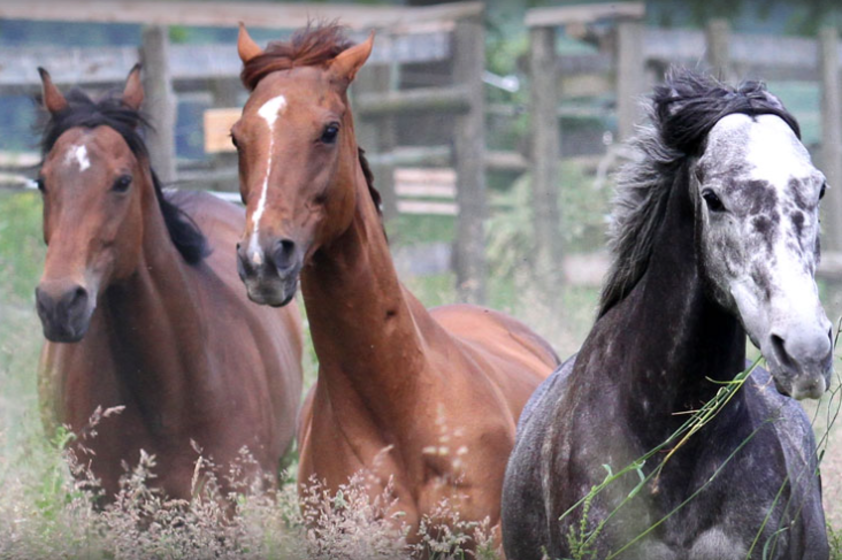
[[298, 156], [96, 182]]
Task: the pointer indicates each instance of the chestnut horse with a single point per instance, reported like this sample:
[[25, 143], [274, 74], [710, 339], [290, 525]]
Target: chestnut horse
[[428, 399], [140, 306]]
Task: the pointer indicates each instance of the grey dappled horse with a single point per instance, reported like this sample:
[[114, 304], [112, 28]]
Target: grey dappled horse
[[714, 236]]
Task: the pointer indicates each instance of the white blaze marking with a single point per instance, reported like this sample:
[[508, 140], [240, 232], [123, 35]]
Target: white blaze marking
[[79, 155], [776, 153], [269, 112], [778, 156]]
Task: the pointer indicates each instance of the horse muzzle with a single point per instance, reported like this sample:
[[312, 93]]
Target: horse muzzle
[[65, 310], [270, 277], [800, 361]]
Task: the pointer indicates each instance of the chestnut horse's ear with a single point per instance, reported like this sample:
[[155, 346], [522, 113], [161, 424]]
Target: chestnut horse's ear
[[52, 98], [246, 47], [346, 65], [133, 92]]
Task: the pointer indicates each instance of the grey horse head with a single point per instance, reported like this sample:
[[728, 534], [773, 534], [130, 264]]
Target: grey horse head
[[756, 196], [757, 213]]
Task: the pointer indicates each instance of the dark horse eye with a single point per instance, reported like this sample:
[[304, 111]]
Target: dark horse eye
[[329, 134], [122, 183], [713, 202], [821, 192]]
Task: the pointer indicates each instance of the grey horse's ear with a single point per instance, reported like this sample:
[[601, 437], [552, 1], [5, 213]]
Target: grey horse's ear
[[773, 100], [674, 102]]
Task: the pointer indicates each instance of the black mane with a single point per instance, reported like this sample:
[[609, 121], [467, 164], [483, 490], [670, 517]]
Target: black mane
[[684, 110], [110, 111], [688, 105]]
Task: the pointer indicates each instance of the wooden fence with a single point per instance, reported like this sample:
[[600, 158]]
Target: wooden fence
[[452, 32], [629, 60], [633, 57]]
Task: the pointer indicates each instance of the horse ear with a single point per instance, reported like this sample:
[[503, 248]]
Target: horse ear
[[773, 100], [52, 98], [133, 92], [346, 65], [246, 47]]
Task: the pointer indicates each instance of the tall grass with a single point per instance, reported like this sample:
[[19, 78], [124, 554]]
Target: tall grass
[[51, 508], [47, 512]]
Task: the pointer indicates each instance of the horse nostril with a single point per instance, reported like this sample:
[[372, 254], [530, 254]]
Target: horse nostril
[[43, 301], [285, 254], [74, 299], [244, 265], [779, 348]]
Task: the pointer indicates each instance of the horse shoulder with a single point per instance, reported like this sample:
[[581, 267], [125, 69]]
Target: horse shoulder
[[256, 350], [506, 352], [529, 474], [794, 434]]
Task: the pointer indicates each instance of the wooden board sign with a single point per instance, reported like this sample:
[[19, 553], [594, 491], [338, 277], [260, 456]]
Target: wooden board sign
[[217, 125]]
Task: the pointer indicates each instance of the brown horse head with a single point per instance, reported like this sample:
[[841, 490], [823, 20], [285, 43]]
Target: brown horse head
[[298, 155], [96, 186]]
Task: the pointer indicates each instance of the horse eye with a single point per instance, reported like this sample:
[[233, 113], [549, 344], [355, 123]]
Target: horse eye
[[329, 134], [713, 201], [122, 183], [821, 192]]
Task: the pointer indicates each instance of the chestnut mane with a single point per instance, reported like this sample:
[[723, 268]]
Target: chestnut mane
[[311, 46]]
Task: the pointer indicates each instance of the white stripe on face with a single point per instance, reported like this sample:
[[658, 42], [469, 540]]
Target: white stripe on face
[[270, 111], [78, 155]]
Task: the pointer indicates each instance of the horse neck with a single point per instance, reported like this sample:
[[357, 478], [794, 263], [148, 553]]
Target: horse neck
[[154, 331], [674, 338], [363, 323]]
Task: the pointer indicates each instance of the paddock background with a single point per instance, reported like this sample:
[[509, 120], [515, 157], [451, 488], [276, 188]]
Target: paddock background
[[493, 129]]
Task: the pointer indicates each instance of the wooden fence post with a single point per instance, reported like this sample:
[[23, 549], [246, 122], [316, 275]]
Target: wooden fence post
[[469, 151], [161, 104], [545, 155], [225, 93], [718, 35], [631, 77], [831, 154], [378, 135]]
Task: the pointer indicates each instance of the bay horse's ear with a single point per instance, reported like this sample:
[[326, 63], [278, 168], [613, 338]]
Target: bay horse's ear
[[346, 65], [133, 92], [246, 47], [52, 98]]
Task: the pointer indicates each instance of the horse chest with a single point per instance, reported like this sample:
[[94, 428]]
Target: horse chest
[[713, 544]]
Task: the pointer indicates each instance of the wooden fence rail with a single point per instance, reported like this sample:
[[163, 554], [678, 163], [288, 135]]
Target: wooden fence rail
[[450, 32], [629, 62]]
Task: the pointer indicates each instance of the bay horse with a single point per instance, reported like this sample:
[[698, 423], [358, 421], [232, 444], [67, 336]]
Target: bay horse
[[141, 307], [715, 235], [426, 399]]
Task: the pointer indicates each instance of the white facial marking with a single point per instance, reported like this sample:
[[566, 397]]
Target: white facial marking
[[78, 155], [269, 112], [770, 266], [775, 152], [777, 156]]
